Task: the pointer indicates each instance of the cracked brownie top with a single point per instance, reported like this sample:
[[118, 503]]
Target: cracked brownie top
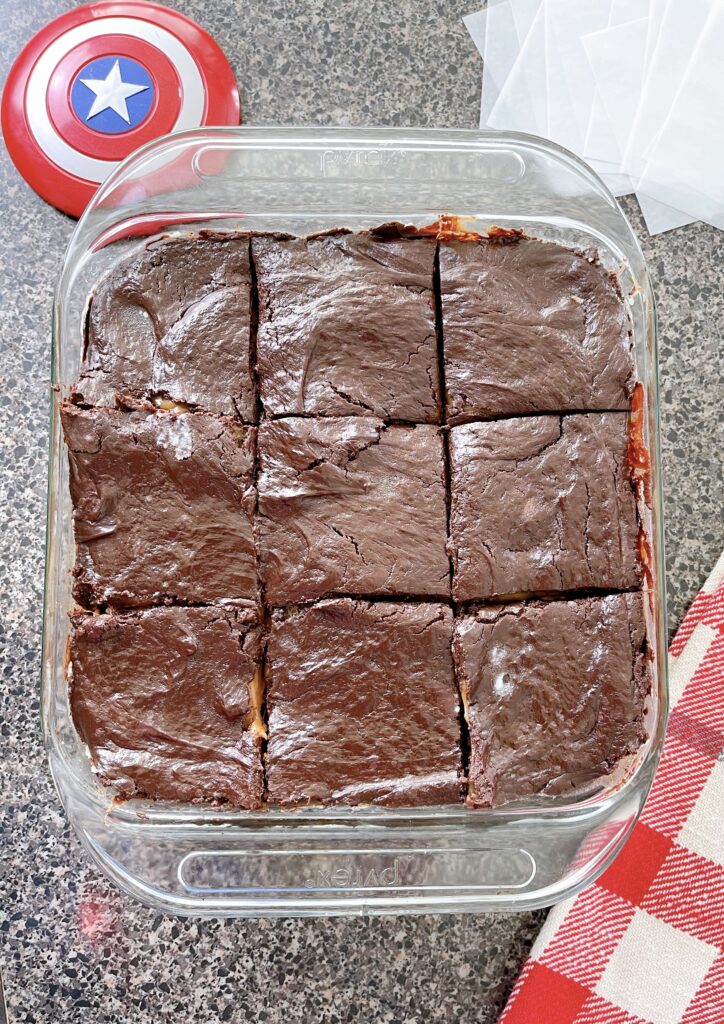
[[171, 324], [553, 693], [531, 327], [347, 326], [351, 506], [162, 507], [433, 424], [542, 503], [363, 705], [169, 701]]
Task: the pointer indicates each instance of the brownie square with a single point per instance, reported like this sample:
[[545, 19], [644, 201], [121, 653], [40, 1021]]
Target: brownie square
[[553, 693], [347, 326], [529, 326], [162, 507], [351, 506], [542, 504], [363, 706], [168, 701], [172, 324]]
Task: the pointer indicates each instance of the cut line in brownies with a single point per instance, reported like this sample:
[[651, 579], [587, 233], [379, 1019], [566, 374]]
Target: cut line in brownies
[[260, 431]]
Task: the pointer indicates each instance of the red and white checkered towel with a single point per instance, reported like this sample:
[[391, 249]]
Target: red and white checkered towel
[[645, 943]]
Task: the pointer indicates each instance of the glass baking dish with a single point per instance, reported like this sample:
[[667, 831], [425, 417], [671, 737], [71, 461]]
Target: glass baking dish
[[203, 860]]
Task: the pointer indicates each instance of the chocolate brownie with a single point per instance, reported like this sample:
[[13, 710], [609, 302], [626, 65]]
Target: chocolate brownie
[[168, 701], [553, 693], [162, 507], [542, 503], [351, 506], [530, 326], [171, 324], [347, 326], [363, 706]]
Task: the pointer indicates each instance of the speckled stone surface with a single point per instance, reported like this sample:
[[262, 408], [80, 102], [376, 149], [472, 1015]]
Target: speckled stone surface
[[72, 948]]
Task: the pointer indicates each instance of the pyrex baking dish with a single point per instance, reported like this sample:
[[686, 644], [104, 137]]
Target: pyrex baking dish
[[202, 860]]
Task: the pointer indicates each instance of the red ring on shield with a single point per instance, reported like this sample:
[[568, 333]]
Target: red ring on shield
[[160, 119]]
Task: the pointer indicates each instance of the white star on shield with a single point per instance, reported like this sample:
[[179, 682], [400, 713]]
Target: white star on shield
[[112, 92]]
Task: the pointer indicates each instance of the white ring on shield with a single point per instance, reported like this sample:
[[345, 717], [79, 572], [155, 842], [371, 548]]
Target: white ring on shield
[[56, 148]]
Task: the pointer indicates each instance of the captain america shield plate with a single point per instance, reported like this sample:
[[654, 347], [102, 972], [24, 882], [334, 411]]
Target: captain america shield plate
[[102, 80]]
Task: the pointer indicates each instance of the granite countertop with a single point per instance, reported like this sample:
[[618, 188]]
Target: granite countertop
[[72, 948]]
